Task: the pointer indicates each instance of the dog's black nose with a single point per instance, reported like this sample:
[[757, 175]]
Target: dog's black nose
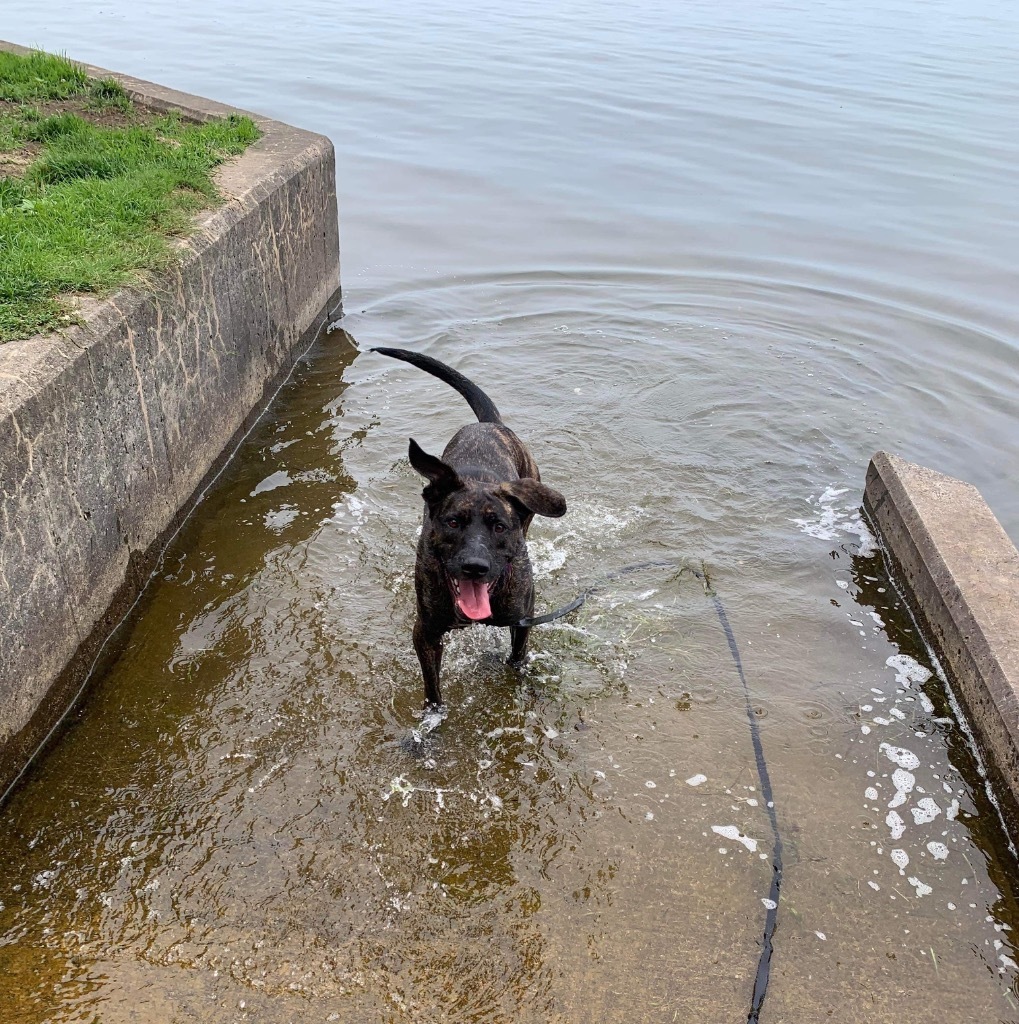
[[475, 568]]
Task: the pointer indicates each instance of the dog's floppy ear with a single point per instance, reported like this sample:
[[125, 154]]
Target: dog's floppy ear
[[536, 497], [442, 478]]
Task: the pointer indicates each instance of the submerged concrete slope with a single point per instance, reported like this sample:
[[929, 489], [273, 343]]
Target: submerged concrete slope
[[961, 571], [108, 431]]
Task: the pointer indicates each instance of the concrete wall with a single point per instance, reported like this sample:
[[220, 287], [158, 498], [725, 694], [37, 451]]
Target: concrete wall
[[109, 430], [961, 574]]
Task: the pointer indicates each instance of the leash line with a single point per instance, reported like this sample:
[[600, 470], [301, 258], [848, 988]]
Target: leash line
[[540, 620], [767, 942]]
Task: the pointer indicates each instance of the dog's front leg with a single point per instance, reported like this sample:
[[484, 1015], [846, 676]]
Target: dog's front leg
[[429, 651], [519, 636]]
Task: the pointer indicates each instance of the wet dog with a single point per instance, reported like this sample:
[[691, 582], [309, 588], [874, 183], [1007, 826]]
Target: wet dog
[[481, 496]]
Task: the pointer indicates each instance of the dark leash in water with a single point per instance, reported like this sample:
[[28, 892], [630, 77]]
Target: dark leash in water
[[767, 944], [577, 602]]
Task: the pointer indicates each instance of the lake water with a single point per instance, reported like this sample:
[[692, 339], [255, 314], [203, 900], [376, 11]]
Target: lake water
[[706, 258]]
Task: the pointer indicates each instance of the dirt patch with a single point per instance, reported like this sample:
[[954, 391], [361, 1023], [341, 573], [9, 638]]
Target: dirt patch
[[14, 163], [108, 115]]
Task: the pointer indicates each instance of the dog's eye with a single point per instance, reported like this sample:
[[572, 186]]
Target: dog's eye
[[453, 523], [498, 528]]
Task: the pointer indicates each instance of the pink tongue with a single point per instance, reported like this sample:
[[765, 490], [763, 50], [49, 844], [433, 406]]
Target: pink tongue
[[473, 600]]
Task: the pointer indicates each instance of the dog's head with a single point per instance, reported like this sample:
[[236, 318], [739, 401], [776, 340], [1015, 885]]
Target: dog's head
[[478, 527]]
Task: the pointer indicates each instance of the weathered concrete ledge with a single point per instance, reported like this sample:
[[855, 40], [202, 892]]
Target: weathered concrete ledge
[[110, 430], [961, 573]]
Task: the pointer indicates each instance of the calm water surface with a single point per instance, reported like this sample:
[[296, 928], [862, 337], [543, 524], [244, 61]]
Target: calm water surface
[[706, 258]]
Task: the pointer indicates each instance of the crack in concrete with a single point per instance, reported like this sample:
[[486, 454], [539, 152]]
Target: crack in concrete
[[141, 386]]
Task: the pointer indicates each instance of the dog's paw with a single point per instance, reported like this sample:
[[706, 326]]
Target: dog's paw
[[431, 718], [414, 744], [417, 741], [519, 664]]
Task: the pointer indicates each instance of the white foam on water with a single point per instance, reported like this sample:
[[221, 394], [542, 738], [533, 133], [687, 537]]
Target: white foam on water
[[769, 904], [907, 670], [921, 888], [505, 730], [733, 833], [900, 756], [894, 821], [870, 793], [831, 493], [926, 810], [831, 521], [824, 526], [900, 859], [399, 786], [696, 780], [938, 850], [868, 543], [273, 769], [903, 782], [821, 936]]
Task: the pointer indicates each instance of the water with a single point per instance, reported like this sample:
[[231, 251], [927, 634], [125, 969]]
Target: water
[[706, 260]]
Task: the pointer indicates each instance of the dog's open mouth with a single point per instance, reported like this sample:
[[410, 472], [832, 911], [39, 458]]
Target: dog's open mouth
[[471, 598]]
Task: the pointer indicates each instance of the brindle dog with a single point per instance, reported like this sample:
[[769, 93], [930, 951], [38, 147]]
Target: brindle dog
[[481, 496]]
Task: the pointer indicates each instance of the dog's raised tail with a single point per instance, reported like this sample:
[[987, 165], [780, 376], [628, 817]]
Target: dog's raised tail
[[482, 406]]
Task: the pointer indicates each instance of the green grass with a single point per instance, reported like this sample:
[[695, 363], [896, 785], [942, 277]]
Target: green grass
[[96, 205]]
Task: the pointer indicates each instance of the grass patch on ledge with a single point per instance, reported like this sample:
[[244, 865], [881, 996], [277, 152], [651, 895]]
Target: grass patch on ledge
[[92, 189]]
